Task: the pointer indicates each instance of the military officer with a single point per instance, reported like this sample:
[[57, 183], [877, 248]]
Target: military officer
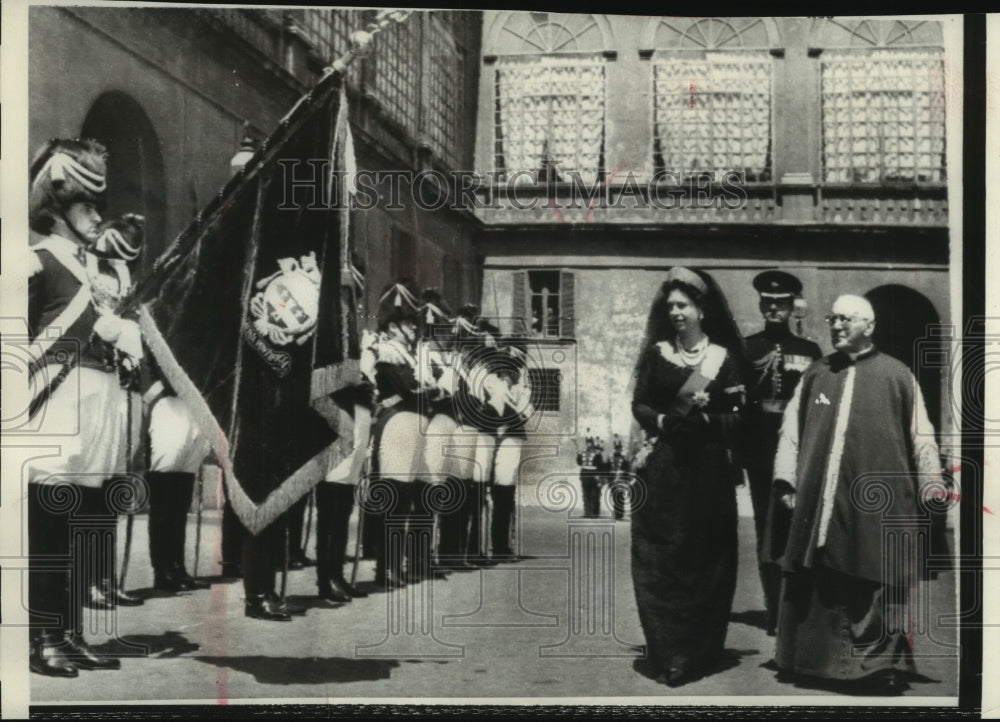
[[620, 480], [592, 467], [81, 353], [779, 357]]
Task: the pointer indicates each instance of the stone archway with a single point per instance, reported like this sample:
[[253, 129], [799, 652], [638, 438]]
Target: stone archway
[[136, 179], [905, 320]]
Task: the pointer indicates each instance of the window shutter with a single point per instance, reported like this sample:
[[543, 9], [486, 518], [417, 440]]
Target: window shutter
[[520, 302], [567, 304]]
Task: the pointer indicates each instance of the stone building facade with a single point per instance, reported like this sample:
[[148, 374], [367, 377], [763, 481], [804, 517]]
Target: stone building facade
[[839, 139], [169, 91], [607, 149]]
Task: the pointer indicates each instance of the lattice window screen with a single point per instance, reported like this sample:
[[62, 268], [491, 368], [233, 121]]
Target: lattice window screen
[[396, 56], [445, 111], [550, 118], [329, 31], [714, 114], [883, 118]]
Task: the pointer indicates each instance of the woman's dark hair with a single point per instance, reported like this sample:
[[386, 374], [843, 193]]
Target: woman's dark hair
[[717, 322]]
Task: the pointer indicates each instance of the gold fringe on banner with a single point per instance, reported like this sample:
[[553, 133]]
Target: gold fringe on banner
[[255, 517]]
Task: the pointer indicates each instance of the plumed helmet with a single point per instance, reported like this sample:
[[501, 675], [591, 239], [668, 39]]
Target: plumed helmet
[[398, 303], [64, 172], [484, 325], [469, 311], [465, 320], [122, 238], [434, 309]]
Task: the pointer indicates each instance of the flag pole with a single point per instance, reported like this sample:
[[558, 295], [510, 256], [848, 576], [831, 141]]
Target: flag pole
[[361, 42]]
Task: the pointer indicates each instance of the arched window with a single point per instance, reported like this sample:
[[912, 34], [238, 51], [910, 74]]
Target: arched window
[[136, 180], [712, 81], [550, 95], [883, 100]]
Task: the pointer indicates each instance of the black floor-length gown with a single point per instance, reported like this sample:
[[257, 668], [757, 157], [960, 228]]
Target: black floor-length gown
[[684, 542]]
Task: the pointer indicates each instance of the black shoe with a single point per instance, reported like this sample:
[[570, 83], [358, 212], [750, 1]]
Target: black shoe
[[677, 676], [186, 581], [331, 591], [124, 599], [80, 653], [294, 610], [297, 562], [350, 589], [47, 657], [96, 598], [103, 596], [261, 606], [389, 580], [167, 582]]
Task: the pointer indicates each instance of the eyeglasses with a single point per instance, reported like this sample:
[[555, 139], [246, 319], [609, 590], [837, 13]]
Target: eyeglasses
[[839, 319]]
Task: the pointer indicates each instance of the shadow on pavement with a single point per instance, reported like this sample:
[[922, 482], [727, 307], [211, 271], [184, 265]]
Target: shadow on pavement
[[306, 670], [162, 646], [851, 687], [751, 617], [313, 601]]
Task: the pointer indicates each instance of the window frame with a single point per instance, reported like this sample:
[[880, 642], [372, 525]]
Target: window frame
[[565, 298], [662, 56], [862, 54]]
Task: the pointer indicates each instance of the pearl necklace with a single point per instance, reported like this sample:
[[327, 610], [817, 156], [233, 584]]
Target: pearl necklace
[[695, 355]]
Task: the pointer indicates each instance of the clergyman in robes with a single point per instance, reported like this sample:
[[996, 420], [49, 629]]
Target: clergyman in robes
[[855, 457]]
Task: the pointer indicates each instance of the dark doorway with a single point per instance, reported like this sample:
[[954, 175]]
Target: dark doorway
[[907, 326], [136, 182]]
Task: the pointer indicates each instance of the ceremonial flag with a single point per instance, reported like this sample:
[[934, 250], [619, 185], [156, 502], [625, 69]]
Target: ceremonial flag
[[251, 313]]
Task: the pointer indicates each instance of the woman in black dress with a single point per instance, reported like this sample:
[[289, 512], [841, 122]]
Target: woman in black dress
[[688, 397]]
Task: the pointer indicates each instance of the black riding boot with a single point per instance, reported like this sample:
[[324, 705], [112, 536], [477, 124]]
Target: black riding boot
[[503, 514], [420, 534], [334, 503], [182, 504], [49, 598], [259, 563], [453, 525], [232, 541], [390, 536], [475, 551]]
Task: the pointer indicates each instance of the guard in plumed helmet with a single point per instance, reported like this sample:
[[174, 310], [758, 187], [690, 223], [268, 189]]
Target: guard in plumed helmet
[[449, 470], [82, 352], [436, 359], [110, 265], [398, 441], [479, 404], [779, 357]]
